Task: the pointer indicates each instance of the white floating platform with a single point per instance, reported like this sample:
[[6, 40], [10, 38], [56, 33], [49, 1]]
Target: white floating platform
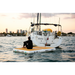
[[35, 49]]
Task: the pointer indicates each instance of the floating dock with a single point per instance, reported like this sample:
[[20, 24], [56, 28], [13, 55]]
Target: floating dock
[[35, 49]]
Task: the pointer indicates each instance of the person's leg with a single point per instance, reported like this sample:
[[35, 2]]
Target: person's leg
[[24, 44]]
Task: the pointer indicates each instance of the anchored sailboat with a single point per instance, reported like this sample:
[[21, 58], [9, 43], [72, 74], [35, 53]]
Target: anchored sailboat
[[45, 37], [45, 40]]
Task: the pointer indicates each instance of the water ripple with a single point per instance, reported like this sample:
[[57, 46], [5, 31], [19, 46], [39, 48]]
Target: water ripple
[[66, 52]]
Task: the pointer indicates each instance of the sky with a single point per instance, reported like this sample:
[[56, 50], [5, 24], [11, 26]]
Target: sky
[[17, 21]]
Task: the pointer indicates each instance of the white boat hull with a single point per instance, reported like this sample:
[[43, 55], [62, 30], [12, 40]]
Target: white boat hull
[[42, 40]]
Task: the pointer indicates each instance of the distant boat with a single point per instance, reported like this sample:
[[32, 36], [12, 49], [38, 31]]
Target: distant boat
[[46, 37], [8, 35]]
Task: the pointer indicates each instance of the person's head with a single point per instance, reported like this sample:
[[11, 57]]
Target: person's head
[[29, 38]]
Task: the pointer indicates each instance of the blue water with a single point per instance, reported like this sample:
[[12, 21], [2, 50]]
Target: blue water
[[66, 52]]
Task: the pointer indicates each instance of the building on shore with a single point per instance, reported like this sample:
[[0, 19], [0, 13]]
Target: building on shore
[[21, 31], [6, 30], [17, 31]]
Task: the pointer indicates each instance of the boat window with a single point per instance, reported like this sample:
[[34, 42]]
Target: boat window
[[45, 34], [35, 33], [39, 33]]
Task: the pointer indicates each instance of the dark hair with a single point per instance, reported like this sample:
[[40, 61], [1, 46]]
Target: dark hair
[[29, 38]]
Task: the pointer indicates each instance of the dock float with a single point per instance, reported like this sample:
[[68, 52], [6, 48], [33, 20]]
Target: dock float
[[35, 49]]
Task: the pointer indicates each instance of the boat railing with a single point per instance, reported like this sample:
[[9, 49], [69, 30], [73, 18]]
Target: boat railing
[[48, 33], [37, 33], [42, 33]]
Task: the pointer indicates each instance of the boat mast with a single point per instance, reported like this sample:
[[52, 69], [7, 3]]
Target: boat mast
[[38, 20], [37, 17]]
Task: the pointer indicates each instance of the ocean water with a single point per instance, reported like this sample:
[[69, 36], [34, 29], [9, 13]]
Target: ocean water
[[66, 52]]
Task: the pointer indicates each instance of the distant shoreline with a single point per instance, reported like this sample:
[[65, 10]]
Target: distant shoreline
[[13, 36]]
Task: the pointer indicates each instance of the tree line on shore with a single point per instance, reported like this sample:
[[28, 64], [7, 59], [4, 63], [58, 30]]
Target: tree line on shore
[[24, 34], [13, 34], [70, 33]]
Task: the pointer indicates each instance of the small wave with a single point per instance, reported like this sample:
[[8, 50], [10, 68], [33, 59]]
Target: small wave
[[72, 56], [66, 60], [68, 51], [49, 60], [68, 44], [1, 51], [72, 59], [1, 46], [9, 61], [5, 53]]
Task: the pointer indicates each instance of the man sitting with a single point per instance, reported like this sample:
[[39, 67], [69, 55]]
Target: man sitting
[[28, 44]]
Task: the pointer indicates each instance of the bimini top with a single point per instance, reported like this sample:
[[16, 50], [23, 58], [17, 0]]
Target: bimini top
[[32, 24]]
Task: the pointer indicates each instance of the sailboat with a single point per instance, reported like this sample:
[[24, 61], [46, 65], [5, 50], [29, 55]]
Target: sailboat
[[45, 37], [45, 40]]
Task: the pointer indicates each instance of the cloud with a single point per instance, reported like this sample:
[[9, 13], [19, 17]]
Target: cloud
[[3, 15], [46, 15], [24, 15], [13, 18], [72, 16], [32, 15]]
